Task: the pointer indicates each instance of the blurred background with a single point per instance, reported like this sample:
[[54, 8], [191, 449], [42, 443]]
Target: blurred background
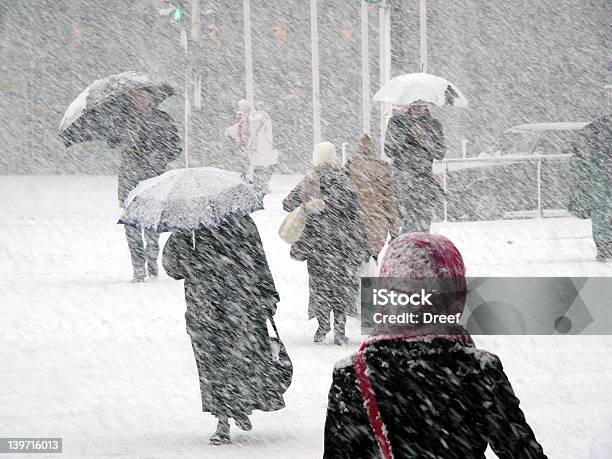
[[517, 62]]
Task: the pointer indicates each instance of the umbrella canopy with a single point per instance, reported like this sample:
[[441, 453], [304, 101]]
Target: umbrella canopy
[[408, 88], [90, 115], [189, 199]]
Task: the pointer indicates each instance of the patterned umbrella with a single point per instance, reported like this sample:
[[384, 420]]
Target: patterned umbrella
[[190, 199]]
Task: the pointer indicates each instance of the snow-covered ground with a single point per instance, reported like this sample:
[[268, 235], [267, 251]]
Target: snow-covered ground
[[107, 365]]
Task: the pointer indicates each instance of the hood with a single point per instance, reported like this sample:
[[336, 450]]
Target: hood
[[366, 148], [324, 154]]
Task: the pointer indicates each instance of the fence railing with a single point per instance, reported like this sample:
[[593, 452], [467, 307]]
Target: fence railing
[[485, 161]]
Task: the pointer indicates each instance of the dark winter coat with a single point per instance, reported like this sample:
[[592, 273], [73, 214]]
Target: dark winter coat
[[413, 143], [373, 181], [333, 243], [227, 286], [591, 195], [148, 142], [438, 399]]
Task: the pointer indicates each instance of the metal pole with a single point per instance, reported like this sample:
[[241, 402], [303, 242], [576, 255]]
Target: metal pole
[[185, 44], [316, 93], [248, 55], [445, 189], [539, 187], [384, 20], [423, 33], [195, 20], [197, 92], [365, 69], [464, 144]]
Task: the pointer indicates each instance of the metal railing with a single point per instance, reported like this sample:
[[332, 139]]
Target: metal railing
[[503, 159]]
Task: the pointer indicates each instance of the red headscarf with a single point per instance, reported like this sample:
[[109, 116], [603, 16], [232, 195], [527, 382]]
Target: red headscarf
[[426, 256]]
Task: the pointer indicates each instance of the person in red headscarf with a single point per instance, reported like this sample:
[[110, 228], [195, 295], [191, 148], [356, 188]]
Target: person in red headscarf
[[424, 390]]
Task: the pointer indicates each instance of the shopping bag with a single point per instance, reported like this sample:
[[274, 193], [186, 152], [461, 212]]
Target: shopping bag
[[292, 227]]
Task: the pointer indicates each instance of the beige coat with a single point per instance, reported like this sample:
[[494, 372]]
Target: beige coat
[[373, 181]]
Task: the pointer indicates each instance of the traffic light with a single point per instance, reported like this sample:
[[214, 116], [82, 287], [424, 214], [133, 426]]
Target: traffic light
[[177, 14]]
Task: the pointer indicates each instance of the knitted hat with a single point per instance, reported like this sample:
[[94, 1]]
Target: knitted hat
[[324, 153]]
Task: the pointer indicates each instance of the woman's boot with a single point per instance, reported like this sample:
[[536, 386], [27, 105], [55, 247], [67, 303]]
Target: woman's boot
[[243, 422], [222, 434], [340, 338]]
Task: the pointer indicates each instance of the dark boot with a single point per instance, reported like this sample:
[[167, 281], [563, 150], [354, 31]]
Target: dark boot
[[222, 434], [139, 276], [152, 268], [319, 335], [324, 326], [340, 338], [243, 422]]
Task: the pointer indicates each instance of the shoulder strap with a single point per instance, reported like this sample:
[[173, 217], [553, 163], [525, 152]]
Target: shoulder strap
[[271, 319], [371, 404]]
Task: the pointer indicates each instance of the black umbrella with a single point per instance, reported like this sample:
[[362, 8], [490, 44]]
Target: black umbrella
[[90, 116]]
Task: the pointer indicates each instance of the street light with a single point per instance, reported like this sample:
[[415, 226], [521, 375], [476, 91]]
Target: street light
[[177, 16]]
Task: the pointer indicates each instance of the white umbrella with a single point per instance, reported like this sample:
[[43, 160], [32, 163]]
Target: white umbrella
[[408, 88], [190, 199]]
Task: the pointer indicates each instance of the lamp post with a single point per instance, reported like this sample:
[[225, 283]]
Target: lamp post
[[365, 70], [316, 93], [423, 33], [248, 54], [177, 16], [384, 39]]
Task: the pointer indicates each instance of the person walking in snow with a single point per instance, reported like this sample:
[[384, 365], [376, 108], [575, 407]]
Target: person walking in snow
[[373, 181], [252, 132], [421, 390], [229, 291], [333, 242], [413, 141], [591, 195], [148, 140]]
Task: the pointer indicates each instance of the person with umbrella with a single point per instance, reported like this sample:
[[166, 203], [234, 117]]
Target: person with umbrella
[[216, 249], [148, 139], [121, 110], [414, 139]]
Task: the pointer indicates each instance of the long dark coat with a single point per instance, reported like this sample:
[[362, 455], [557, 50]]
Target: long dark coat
[[591, 195], [414, 143], [333, 243], [148, 142], [438, 399], [227, 284]]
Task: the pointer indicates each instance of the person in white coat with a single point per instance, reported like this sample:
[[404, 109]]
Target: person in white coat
[[253, 133]]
